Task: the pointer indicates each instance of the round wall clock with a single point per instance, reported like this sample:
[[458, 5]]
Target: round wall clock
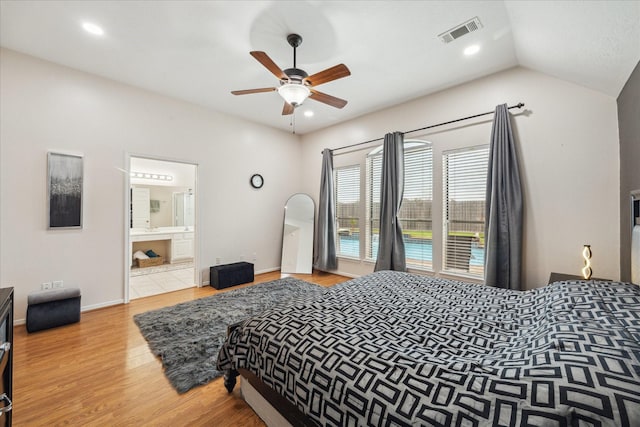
[[256, 180]]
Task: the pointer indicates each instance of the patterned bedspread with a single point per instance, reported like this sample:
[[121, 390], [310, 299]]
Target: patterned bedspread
[[392, 349]]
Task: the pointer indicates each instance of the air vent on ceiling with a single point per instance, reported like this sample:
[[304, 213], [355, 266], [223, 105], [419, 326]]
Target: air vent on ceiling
[[460, 30]]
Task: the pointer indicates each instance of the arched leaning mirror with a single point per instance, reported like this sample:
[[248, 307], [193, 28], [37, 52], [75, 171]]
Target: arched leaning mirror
[[297, 239]]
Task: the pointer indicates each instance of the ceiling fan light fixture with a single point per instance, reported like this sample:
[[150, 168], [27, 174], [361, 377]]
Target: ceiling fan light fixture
[[294, 93], [295, 84]]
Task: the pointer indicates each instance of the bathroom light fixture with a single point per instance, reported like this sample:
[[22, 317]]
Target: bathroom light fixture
[[156, 176], [308, 113], [92, 29], [586, 270], [294, 93]]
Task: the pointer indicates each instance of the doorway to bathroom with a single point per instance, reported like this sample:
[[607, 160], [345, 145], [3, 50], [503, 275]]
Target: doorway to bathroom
[[162, 227]]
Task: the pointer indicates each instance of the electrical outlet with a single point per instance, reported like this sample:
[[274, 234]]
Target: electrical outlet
[[46, 285], [218, 260], [241, 257], [58, 284], [255, 256]]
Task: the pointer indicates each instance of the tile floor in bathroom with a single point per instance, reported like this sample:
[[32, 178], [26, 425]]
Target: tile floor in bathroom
[[159, 281]]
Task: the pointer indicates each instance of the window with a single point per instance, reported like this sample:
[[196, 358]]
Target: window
[[348, 211], [374, 168], [464, 189], [415, 212], [460, 247]]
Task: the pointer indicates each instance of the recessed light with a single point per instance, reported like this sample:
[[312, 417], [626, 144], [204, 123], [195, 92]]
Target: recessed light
[[93, 29], [308, 113], [472, 50]]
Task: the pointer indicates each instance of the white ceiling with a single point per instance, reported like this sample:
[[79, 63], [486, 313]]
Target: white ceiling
[[198, 51]]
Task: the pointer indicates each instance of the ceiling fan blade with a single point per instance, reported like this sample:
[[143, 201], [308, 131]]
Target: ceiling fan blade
[[264, 59], [287, 109], [334, 73], [248, 91], [327, 99]]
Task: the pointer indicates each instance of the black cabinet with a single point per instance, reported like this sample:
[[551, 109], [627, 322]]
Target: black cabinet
[[6, 355], [224, 276]]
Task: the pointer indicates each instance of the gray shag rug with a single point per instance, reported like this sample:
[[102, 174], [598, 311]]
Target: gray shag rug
[[188, 336]]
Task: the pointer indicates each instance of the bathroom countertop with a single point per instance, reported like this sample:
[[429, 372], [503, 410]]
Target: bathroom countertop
[[159, 231]]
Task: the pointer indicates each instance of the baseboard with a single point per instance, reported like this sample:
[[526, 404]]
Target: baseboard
[[345, 274], [267, 270], [101, 305], [121, 301], [82, 309]]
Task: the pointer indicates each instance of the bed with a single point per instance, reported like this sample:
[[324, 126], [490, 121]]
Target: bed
[[395, 349]]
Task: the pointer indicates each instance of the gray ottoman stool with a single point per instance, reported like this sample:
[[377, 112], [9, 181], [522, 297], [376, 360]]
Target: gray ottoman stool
[[51, 308]]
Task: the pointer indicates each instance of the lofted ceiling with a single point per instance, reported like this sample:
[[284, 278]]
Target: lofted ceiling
[[198, 51]]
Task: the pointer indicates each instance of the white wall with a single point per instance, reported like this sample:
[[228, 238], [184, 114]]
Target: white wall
[[48, 107], [568, 146], [569, 158]]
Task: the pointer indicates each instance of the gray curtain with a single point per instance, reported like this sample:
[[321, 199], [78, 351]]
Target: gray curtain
[[503, 228], [325, 242], [391, 246]]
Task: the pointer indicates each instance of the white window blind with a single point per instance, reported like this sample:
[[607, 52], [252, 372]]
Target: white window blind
[[347, 187], [374, 169], [415, 212], [465, 180]]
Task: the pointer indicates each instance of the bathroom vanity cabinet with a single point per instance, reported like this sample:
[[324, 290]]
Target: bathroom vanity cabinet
[[172, 243], [181, 246]]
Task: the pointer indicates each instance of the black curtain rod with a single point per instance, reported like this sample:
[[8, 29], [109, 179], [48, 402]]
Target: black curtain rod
[[519, 105]]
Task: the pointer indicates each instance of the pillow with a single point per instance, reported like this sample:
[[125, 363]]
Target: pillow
[[152, 254], [140, 255]]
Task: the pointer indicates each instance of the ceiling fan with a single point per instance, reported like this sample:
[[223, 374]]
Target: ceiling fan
[[295, 84]]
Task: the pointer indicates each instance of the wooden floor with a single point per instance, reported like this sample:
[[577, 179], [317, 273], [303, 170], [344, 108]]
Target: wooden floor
[[100, 372]]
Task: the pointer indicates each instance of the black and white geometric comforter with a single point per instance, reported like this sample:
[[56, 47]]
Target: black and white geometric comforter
[[394, 348]]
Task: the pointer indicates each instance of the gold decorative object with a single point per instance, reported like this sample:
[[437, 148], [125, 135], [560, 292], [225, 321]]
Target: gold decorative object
[[586, 254]]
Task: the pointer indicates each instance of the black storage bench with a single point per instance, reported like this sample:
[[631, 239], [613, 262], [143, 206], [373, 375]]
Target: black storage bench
[[227, 275], [51, 308]]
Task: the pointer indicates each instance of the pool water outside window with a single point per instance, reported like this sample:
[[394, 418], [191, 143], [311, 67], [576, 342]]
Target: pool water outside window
[[418, 252], [462, 204]]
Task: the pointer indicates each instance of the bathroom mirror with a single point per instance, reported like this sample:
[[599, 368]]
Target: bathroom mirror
[[297, 239]]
